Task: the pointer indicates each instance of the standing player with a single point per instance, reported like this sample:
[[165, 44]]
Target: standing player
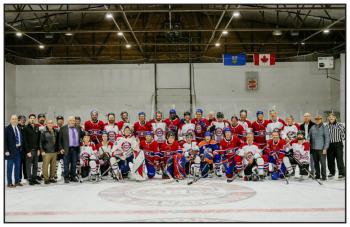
[[259, 129], [229, 145], [124, 120], [201, 125], [289, 131], [141, 126], [42, 127], [218, 126], [252, 160], [247, 125], [173, 122], [172, 161], [158, 128], [94, 127], [186, 128], [210, 156], [111, 128], [237, 129], [274, 155], [275, 125], [151, 150]]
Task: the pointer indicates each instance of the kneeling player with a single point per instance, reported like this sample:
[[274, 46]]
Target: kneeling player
[[89, 158], [104, 151], [173, 162], [252, 159], [191, 153], [151, 149], [131, 159], [229, 145], [209, 155], [298, 152]]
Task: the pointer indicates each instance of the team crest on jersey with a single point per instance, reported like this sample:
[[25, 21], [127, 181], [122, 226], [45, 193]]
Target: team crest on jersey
[[297, 155], [126, 146], [218, 132], [159, 132], [94, 132], [291, 134], [198, 128]]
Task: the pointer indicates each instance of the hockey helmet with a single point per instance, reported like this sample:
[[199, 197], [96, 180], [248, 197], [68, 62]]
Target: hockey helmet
[[172, 111], [148, 133], [199, 111], [207, 134], [219, 115], [259, 112], [227, 130], [142, 113]]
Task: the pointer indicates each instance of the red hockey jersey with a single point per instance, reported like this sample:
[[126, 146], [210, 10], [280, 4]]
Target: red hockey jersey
[[94, 129]]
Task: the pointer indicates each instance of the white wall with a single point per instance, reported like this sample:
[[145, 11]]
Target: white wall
[[290, 87], [10, 90]]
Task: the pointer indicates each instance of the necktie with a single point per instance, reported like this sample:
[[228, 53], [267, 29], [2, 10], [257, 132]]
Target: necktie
[[73, 135], [16, 134]]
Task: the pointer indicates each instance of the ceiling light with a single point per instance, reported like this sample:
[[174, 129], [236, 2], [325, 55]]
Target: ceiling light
[[19, 34], [128, 45], [68, 34], [224, 32], [236, 14], [276, 32], [302, 43], [120, 33], [109, 15], [217, 44], [326, 31], [41, 46]]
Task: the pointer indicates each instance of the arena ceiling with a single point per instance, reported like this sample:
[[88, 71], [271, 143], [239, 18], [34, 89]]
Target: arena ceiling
[[90, 34]]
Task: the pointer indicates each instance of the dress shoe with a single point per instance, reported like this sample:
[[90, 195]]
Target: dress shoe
[[11, 186], [39, 178], [341, 177], [74, 179], [36, 182], [52, 180], [19, 184], [31, 182], [47, 182], [66, 180], [330, 175]]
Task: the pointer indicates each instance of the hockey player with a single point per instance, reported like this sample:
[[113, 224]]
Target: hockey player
[[104, 150], [94, 127], [218, 126], [252, 160], [159, 128], [141, 126], [173, 122], [151, 150], [298, 150], [131, 158], [211, 117], [247, 125], [190, 150], [259, 129], [201, 125], [209, 156], [275, 124], [89, 159], [274, 156], [289, 131], [42, 127], [111, 128], [230, 145], [237, 129], [172, 161], [124, 120], [186, 128]]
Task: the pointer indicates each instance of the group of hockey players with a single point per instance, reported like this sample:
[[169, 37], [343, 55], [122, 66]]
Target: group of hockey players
[[196, 148]]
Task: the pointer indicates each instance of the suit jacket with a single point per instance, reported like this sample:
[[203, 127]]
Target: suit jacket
[[10, 142], [302, 126], [63, 137]]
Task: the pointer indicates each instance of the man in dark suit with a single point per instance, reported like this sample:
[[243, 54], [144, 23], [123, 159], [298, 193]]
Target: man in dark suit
[[69, 145], [14, 144], [306, 126]]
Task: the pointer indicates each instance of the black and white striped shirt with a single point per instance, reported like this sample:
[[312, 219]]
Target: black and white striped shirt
[[336, 132]]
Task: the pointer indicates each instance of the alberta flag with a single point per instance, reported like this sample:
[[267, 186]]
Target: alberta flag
[[234, 59]]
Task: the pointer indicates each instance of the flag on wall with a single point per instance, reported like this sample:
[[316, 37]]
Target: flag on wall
[[235, 59], [264, 59]]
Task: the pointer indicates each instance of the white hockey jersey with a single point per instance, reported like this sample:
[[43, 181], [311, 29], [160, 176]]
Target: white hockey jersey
[[113, 132], [248, 151], [125, 146], [301, 152], [273, 126], [219, 129], [188, 147], [185, 129], [159, 131], [290, 132], [105, 148], [88, 149]]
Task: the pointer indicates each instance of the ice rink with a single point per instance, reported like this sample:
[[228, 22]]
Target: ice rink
[[208, 200]]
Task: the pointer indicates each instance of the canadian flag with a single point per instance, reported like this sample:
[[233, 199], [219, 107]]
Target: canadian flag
[[264, 59]]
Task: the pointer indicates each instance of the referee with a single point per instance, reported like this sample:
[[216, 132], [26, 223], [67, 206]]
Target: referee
[[335, 150]]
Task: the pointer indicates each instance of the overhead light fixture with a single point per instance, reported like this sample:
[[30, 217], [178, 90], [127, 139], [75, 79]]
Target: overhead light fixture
[[224, 32], [277, 32], [217, 44], [68, 34], [236, 14], [302, 43], [326, 31], [109, 15], [128, 45], [41, 46], [294, 33], [19, 34], [120, 33]]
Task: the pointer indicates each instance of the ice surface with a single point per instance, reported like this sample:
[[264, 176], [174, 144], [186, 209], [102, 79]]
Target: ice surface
[[208, 200]]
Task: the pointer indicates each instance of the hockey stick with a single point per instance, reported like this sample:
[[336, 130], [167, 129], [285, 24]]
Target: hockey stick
[[297, 161], [195, 179], [172, 179]]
